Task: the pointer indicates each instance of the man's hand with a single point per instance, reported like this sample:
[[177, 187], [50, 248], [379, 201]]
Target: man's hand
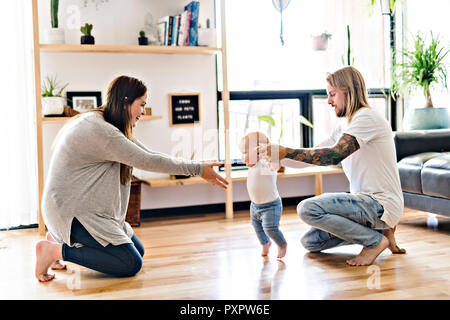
[[274, 153], [211, 176]]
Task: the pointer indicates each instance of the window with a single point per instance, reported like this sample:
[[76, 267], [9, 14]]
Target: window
[[266, 77]]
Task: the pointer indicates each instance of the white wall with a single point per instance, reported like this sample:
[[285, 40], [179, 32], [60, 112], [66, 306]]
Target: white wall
[[118, 22]]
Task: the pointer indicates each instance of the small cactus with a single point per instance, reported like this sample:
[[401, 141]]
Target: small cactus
[[86, 29], [142, 34]]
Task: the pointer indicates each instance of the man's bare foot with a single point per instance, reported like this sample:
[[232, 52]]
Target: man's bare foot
[[56, 265], [389, 234], [46, 253], [265, 249], [368, 255], [282, 251]]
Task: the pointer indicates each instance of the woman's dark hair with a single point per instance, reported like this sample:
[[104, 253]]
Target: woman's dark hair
[[121, 93]]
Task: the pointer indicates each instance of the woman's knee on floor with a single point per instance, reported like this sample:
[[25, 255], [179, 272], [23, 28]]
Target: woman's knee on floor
[[131, 263]]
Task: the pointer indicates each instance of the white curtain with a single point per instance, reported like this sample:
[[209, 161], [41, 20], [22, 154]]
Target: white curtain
[[18, 164]]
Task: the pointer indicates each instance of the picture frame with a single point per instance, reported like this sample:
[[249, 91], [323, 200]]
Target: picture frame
[[83, 101], [184, 109]]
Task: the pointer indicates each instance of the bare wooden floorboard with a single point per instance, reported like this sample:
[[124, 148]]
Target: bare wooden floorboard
[[209, 257]]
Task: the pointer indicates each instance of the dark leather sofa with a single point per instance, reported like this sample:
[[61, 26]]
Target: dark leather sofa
[[424, 166]]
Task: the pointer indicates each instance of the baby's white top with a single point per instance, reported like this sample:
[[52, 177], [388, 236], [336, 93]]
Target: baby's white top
[[262, 183]]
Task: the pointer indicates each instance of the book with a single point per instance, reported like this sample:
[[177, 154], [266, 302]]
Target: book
[[183, 33], [169, 31], [167, 35], [176, 22], [162, 29], [194, 8]]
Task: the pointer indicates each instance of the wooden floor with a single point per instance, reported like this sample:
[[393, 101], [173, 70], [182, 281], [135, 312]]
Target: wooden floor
[[208, 257]]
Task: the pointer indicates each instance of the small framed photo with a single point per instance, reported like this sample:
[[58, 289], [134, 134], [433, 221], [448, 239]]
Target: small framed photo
[[83, 101]]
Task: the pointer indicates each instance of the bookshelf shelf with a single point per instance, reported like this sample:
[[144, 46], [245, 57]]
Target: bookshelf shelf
[[65, 119], [99, 48]]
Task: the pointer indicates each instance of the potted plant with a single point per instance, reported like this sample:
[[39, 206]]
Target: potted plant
[[271, 121], [55, 35], [422, 67], [87, 37], [143, 40], [52, 100], [320, 42]]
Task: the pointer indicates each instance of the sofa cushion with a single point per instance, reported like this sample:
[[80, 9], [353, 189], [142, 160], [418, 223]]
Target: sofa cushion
[[435, 176], [410, 168]]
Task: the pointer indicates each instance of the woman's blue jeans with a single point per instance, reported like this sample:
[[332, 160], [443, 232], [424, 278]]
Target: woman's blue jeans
[[340, 219], [265, 219], [124, 260]]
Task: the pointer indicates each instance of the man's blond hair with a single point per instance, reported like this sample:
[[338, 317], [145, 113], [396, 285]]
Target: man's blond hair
[[352, 83]]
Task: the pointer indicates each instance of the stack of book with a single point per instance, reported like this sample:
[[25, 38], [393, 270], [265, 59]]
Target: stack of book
[[182, 29]]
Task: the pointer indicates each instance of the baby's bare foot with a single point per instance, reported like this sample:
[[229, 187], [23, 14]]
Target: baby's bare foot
[[46, 253], [56, 265], [265, 249], [282, 251], [389, 234], [368, 255]]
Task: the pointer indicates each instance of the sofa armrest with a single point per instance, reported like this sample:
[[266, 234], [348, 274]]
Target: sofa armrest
[[419, 141]]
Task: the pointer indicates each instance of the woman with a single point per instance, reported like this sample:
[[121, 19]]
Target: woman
[[88, 185]]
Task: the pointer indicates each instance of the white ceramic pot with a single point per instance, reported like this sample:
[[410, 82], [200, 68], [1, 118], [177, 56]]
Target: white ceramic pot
[[207, 37], [427, 118], [55, 36], [53, 106]]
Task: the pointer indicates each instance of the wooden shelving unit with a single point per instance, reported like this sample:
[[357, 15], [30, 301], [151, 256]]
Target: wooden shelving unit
[[123, 49], [98, 48]]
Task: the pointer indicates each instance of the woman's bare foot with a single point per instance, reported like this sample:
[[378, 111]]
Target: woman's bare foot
[[56, 265], [368, 255], [282, 251], [265, 249], [46, 253], [389, 234]]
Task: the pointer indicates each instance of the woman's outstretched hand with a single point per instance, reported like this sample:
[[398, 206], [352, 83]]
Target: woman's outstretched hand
[[210, 175]]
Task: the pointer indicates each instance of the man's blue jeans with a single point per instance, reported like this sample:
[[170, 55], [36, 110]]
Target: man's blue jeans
[[340, 219], [124, 260], [266, 220]]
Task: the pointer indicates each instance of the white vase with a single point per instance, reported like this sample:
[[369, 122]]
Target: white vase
[[53, 106], [207, 37], [54, 36]]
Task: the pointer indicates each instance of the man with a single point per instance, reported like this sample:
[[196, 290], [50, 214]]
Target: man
[[364, 144]]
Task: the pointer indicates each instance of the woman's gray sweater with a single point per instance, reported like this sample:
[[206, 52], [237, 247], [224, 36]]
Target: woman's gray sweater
[[83, 181]]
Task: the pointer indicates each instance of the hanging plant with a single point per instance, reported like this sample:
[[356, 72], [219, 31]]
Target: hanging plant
[[281, 5]]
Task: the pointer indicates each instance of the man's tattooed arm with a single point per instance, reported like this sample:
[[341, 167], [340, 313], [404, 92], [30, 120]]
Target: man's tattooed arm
[[346, 145]]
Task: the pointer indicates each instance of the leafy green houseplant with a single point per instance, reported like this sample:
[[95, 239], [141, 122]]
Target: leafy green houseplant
[[422, 68], [87, 37], [52, 100]]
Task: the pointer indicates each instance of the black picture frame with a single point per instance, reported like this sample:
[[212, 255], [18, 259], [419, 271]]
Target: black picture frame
[[83, 101], [184, 109]]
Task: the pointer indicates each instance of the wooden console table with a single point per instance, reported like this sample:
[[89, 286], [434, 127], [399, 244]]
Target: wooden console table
[[241, 175]]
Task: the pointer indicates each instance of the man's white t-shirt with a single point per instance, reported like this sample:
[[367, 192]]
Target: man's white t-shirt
[[372, 170], [262, 183]]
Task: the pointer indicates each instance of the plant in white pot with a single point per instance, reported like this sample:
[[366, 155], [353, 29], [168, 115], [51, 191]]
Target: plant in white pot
[[422, 67], [52, 100], [55, 35]]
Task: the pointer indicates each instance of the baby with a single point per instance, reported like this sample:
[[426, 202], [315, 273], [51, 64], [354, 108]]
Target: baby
[[266, 207]]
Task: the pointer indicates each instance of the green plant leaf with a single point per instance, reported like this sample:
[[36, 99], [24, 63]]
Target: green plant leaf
[[305, 121], [269, 119]]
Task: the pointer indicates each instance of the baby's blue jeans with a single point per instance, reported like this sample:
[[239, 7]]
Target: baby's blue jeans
[[265, 219], [340, 219]]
